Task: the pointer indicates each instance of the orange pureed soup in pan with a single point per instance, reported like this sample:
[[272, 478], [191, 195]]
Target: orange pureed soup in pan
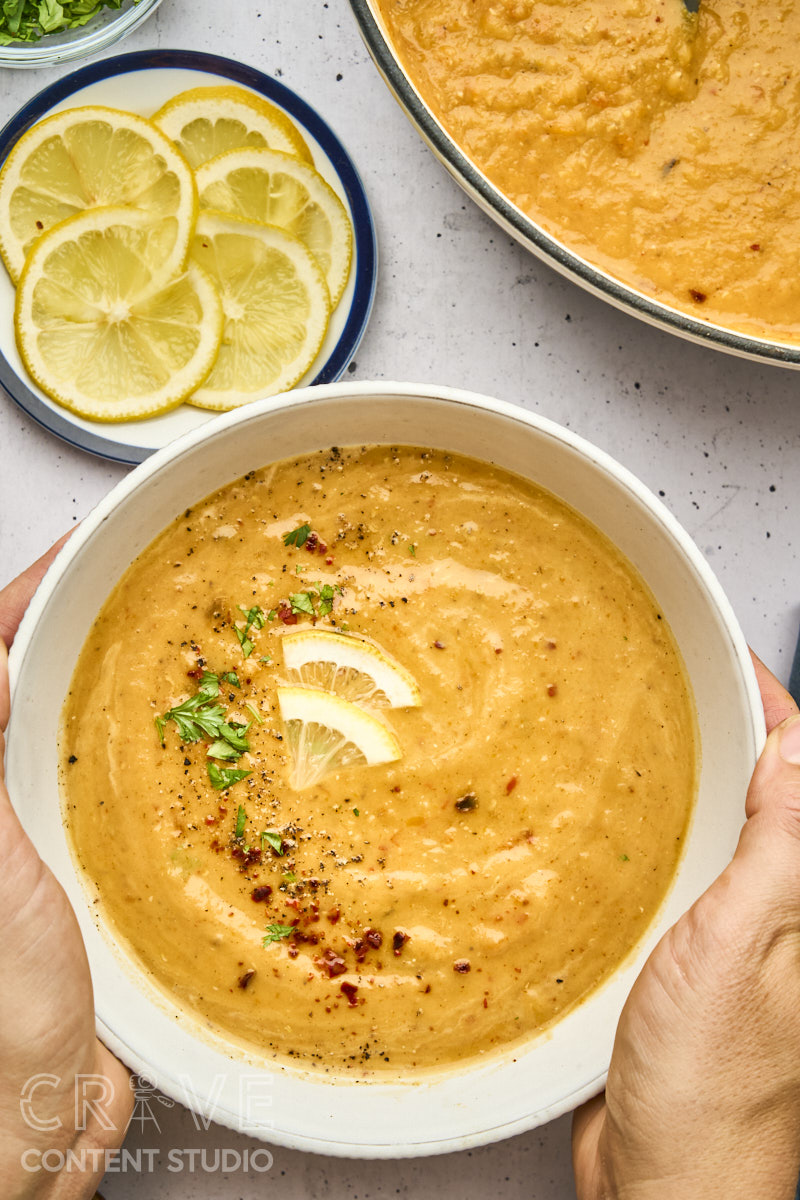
[[504, 832], [657, 144]]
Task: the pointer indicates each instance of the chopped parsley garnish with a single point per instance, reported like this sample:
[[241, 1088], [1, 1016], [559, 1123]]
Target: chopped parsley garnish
[[232, 678], [356, 812], [241, 821], [224, 777], [302, 602], [254, 618], [412, 549], [276, 932], [298, 537], [265, 658], [289, 877], [198, 716], [256, 714], [273, 839]]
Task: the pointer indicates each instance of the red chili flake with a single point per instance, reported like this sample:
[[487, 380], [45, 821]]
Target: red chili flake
[[462, 966], [215, 845], [396, 787], [399, 940], [439, 645], [285, 613], [292, 950], [322, 548], [312, 541], [552, 689], [349, 990], [261, 893], [329, 561], [334, 914], [498, 649], [756, 246], [222, 810], [485, 1002], [373, 938], [195, 673], [698, 297], [246, 979], [211, 820], [550, 645], [331, 963], [512, 783]]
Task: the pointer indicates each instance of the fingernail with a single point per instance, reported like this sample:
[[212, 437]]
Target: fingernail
[[789, 745]]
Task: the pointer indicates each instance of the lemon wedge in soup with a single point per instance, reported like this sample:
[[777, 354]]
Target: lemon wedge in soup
[[352, 667], [324, 732]]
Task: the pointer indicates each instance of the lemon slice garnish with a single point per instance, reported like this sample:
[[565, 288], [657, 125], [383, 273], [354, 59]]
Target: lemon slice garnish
[[276, 309], [206, 121], [352, 667], [87, 158], [276, 189], [104, 325], [325, 732]]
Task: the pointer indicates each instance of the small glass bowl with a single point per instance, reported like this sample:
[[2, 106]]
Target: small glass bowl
[[104, 30]]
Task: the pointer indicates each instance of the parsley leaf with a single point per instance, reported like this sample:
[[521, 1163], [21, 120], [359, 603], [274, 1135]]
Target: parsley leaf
[[196, 716], [241, 821], [276, 932], [273, 839], [302, 602], [29, 20], [298, 537], [224, 777], [254, 618]]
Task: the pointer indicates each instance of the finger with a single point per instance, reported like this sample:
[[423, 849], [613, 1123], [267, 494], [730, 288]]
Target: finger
[[774, 790], [5, 703], [14, 598], [778, 704], [587, 1123]]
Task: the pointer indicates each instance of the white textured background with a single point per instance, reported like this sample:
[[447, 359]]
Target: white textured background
[[459, 303]]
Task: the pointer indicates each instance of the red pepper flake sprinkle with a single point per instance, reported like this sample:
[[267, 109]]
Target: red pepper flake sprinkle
[[756, 246], [550, 645], [246, 979], [211, 820], [334, 914], [512, 783], [698, 297], [462, 966], [399, 940], [285, 613], [552, 690], [262, 893], [331, 963], [349, 990], [439, 645]]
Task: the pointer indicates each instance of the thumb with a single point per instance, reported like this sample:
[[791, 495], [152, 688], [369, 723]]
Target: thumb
[[769, 848], [774, 792]]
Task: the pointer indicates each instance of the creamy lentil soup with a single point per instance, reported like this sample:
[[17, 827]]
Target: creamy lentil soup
[[508, 827], [660, 145]]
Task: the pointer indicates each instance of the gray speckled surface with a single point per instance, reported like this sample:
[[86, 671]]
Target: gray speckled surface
[[460, 303]]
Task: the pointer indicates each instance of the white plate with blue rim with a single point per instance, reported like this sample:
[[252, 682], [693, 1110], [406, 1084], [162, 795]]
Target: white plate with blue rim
[[142, 82]]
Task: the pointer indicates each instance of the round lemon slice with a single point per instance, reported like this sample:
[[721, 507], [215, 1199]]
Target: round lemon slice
[[354, 668], [276, 309], [325, 732], [206, 121], [103, 324], [87, 158], [276, 189]]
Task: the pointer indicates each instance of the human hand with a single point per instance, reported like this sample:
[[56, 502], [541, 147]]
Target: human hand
[[703, 1092], [46, 1001]]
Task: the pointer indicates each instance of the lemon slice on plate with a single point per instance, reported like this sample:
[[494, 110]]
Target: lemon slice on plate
[[324, 732], [354, 668], [104, 325], [276, 189], [206, 121], [87, 158], [276, 309]]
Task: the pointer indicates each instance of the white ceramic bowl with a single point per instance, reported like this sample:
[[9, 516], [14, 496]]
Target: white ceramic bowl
[[512, 1091]]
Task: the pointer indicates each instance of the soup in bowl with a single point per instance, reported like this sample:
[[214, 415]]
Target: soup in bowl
[[387, 727]]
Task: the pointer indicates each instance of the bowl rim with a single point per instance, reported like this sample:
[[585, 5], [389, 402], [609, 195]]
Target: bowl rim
[[386, 391], [533, 236]]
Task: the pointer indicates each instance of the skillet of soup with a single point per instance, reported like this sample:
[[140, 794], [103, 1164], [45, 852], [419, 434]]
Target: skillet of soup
[[660, 145], [380, 758]]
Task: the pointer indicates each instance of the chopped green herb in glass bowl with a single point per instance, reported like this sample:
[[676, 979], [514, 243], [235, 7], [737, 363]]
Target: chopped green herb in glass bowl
[[40, 33]]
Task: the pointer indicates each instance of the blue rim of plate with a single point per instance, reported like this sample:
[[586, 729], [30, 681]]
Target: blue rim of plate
[[365, 251]]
